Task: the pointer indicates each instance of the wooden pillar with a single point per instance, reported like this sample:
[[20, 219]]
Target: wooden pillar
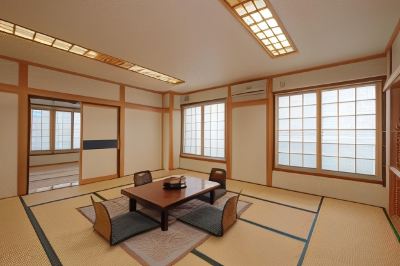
[[23, 126], [121, 168], [171, 131], [228, 142], [270, 131]]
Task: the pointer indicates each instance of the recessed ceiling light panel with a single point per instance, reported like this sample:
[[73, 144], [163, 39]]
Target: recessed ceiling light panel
[[16, 30], [259, 18]]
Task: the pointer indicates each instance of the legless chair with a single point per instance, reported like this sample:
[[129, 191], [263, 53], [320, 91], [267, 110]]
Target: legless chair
[[122, 227], [142, 178], [212, 219], [217, 175]]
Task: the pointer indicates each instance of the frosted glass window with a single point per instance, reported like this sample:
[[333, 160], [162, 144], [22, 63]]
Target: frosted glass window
[[63, 130], [40, 130], [214, 130], [347, 120], [352, 126], [204, 130], [297, 130], [192, 130], [77, 131]]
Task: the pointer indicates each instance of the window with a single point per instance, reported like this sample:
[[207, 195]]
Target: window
[[297, 126], [348, 130], [336, 133], [77, 130], [40, 128], [204, 130], [54, 130], [63, 130]]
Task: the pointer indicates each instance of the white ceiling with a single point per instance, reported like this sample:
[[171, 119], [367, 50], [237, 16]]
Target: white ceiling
[[198, 41]]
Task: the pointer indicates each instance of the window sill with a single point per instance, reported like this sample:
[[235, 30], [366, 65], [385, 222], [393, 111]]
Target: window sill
[[343, 177], [53, 152], [202, 158]]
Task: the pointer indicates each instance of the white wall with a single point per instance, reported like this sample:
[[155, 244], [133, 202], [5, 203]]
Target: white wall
[[46, 79], [365, 69], [143, 134], [8, 144], [343, 189], [373, 194], [249, 137], [37, 160], [8, 72], [206, 95], [396, 53], [199, 165], [142, 97]]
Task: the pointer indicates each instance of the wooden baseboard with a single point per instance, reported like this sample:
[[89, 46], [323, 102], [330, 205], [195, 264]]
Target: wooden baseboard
[[97, 179]]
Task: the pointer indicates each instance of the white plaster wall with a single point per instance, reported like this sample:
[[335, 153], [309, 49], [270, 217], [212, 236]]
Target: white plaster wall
[[365, 69], [249, 137], [9, 72], [46, 79], [8, 144], [143, 136], [37, 160], [133, 95]]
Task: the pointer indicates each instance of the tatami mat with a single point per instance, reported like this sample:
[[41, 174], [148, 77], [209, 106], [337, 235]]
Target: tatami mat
[[19, 244], [297, 199], [348, 233], [246, 244], [282, 218], [72, 236]]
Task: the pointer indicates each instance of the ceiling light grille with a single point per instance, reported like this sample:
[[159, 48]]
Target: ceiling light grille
[[16, 30], [259, 18]]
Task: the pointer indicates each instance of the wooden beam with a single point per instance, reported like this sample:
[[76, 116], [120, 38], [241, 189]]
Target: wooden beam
[[23, 126]]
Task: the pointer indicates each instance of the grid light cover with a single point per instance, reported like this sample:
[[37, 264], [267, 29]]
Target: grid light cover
[[25, 33], [262, 22]]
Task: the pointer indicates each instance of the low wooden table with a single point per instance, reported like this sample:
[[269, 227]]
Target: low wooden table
[[154, 195]]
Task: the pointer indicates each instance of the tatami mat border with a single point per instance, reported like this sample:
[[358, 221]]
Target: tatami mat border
[[274, 202], [273, 230], [51, 254], [392, 225], [206, 258], [303, 253]]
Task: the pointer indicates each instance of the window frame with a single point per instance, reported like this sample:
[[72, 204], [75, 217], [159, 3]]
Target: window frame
[[202, 156], [53, 111], [318, 171]]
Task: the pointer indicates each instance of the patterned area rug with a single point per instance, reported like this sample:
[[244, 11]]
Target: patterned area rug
[[158, 247]]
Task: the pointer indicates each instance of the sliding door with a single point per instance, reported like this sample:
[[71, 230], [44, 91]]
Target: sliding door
[[99, 156]]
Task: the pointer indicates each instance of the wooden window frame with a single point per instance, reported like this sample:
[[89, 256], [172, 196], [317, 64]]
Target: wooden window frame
[[53, 110], [318, 171], [202, 157]]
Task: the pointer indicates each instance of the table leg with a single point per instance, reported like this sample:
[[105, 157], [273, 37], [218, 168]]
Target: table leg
[[164, 220], [212, 197], [132, 204]]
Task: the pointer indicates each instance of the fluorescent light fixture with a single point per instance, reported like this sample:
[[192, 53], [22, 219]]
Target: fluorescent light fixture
[[260, 19], [62, 45], [16, 30], [78, 50], [24, 32], [43, 39], [6, 26]]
